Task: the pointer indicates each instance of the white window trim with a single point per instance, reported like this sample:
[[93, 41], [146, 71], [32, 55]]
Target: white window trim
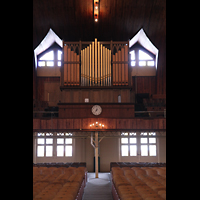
[[54, 145], [138, 143]]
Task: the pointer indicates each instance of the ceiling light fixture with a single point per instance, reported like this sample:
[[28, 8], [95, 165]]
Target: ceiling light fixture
[[97, 125], [96, 10]]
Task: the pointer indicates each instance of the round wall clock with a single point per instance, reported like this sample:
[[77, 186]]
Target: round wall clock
[[96, 110]]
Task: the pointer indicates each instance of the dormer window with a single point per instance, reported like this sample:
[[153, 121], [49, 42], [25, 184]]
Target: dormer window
[[143, 58], [50, 59]]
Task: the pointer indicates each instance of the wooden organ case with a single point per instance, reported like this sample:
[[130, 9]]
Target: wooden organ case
[[95, 63]]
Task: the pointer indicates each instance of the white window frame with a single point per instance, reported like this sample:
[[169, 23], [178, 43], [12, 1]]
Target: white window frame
[[64, 136], [144, 62], [44, 136], [57, 62], [54, 145], [149, 136], [139, 138], [129, 143]]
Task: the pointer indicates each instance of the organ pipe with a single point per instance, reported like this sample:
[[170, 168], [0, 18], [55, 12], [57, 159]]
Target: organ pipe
[[96, 65], [120, 66], [71, 67], [92, 67]]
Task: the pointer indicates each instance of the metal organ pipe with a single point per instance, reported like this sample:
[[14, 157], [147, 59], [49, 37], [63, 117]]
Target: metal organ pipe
[[96, 65], [92, 67]]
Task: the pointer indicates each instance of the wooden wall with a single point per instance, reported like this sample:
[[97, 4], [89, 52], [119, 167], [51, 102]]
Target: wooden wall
[[161, 72], [144, 84], [51, 85], [110, 124], [40, 86], [118, 110]]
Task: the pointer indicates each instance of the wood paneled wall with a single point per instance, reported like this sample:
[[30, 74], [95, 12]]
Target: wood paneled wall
[[144, 84], [40, 85], [118, 110], [78, 95], [161, 71], [109, 124]]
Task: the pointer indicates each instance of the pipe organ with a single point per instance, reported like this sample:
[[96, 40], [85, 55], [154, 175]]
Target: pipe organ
[[120, 66], [95, 64], [71, 67]]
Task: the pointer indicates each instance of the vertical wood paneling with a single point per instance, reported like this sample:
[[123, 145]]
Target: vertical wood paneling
[[40, 85], [77, 71], [68, 66], [110, 123], [114, 70], [126, 65], [123, 78], [120, 67], [145, 84]]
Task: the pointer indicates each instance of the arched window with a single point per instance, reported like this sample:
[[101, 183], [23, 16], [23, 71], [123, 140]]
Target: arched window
[[50, 58]]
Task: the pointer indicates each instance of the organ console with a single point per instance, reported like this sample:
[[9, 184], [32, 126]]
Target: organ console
[[95, 64]]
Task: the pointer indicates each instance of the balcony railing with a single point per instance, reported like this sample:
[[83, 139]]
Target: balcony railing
[[139, 114]]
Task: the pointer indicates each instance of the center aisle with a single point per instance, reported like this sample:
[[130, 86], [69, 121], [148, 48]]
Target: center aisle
[[98, 188]]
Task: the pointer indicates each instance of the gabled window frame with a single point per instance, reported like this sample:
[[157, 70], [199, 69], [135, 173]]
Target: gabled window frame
[[55, 48], [136, 48]]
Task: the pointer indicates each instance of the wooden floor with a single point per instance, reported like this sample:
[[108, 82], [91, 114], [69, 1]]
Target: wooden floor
[[98, 188]]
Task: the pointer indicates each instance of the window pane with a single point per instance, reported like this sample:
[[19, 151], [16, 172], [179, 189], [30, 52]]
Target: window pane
[[41, 63], [152, 140], [40, 134], [49, 151], [50, 63], [125, 134], [152, 150], [40, 140], [59, 63], [144, 56], [60, 140], [144, 133], [40, 151], [131, 134], [59, 55], [143, 140], [144, 150], [60, 134], [49, 134], [68, 140], [133, 140], [49, 141], [142, 63], [124, 140], [68, 134], [133, 150], [68, 150], [132, 63], [132, 55], [48, 56], [60, 150], [150, 63], [124, 150]]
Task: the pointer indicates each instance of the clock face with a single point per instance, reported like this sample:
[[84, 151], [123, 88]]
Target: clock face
[[96, 110]]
